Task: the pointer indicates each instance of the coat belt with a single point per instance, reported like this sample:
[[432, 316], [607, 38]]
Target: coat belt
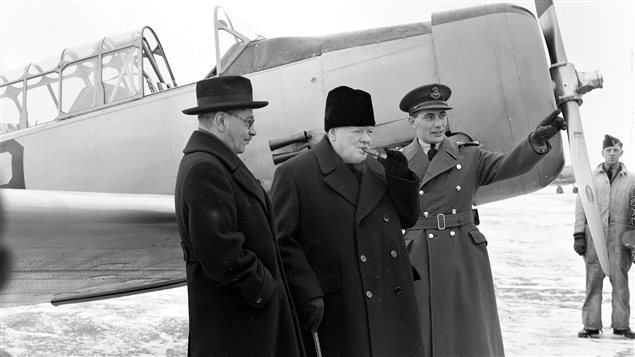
[[442, 221]]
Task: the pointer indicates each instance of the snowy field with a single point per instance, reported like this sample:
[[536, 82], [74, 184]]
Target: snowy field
[[539, 284]]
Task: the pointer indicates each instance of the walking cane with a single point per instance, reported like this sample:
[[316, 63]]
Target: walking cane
[[316, 342]]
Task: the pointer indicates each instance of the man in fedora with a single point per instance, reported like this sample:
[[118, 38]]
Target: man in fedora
[[238, 299], [615, 193], [340, 215], [456, 294]]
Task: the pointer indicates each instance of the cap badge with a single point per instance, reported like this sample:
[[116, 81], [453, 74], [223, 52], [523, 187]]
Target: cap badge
[[435, 94]]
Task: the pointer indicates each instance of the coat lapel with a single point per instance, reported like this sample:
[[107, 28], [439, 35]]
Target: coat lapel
[[372, 189], [444, 160], [336, 174], [417, 160], [207, 142]]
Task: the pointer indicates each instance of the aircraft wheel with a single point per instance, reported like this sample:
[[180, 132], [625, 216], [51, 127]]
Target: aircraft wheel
[[559, 189], [575, 190]]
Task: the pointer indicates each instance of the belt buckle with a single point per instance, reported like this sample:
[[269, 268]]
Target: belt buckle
[[440, 218]]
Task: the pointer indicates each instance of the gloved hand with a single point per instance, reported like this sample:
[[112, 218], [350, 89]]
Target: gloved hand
[[313, 312], [579, 243], [395, 163], [548, 128]]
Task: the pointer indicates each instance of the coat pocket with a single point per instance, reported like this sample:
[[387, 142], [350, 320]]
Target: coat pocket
[[477, 237], [330, 283]]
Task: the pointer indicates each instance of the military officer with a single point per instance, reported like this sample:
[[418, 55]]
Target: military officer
[[456, 291]]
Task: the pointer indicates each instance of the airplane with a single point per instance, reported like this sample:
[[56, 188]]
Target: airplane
[[90, 145], [565, 177]]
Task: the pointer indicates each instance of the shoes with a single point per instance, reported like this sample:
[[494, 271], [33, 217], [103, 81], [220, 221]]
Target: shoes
[[585, 333], [626, 332]]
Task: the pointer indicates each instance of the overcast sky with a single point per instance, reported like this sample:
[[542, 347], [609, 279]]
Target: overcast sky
[[597, 35]]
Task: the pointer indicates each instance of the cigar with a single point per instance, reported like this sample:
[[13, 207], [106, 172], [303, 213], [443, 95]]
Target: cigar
[[372, 153]]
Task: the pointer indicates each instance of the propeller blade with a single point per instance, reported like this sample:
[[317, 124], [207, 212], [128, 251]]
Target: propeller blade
[[569, 98]]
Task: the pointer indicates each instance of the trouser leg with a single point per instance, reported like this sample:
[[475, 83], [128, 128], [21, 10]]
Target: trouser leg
[[591, 310]]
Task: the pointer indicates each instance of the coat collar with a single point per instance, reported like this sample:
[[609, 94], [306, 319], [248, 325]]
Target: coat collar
[[623, 170], [426, 170], [364, 195], [202, 141]]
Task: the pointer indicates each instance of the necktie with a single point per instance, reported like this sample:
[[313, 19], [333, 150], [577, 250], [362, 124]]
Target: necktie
[[433, 151], [609, 173]]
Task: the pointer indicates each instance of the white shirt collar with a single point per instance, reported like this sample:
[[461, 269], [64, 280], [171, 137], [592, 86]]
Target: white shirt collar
[[425, 147]]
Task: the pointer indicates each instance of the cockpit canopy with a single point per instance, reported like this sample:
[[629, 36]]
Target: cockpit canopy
[[114, 70]]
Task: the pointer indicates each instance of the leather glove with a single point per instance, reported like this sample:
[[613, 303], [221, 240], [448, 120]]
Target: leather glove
[[579, 243], [313, 312], [395, 163], [548, 128]]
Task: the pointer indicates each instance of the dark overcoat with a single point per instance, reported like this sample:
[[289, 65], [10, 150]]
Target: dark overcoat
[[342, 239], [238, 299], [456, 297]]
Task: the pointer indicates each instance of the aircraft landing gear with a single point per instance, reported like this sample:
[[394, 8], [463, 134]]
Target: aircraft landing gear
[[559, 189]]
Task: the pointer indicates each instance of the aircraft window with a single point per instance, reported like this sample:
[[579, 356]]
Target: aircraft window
[[78, 86], [42, 98], [120, 74], [10, 107]]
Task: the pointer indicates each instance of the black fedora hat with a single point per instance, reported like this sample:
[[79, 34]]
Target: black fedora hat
[[229, 92]]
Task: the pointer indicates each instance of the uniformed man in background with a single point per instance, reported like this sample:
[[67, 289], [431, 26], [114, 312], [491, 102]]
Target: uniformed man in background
[[613, 188], [456, 292]]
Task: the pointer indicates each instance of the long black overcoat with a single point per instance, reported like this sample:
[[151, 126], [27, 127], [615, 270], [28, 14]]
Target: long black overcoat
[[342, 239], [456, 292], [239, 302]]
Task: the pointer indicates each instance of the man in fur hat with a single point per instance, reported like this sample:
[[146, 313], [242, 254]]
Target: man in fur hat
[[239, 302], [614, 186], [340, 215]]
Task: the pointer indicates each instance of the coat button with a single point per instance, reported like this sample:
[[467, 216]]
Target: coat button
[[386, 218], [393, 254], [369, 294], [420, 192], [453, 211], [452, 233], [425, 214], [430, 235], [397, 291], [258, 300], [458, 166], [362, 258], [458, 188]]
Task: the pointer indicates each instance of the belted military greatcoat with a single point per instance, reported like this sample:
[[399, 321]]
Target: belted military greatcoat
[[456, 296], [239, 302], [342, 239]]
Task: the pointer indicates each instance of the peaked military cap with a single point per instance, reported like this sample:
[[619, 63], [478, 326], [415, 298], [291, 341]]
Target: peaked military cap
[[610, 141], [346, 106], [429, 96], [229, 92]]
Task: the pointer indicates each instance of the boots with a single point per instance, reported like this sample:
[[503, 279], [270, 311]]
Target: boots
[[626, 332], [585, 333]]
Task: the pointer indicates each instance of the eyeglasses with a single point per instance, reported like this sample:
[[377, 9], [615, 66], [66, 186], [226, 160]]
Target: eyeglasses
[[249, 122]]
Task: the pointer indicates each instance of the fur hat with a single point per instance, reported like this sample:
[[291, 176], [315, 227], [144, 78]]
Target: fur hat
[[346, 106]]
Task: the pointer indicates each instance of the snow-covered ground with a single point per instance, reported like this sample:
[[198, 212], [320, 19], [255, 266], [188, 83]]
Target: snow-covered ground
[[539, 283]]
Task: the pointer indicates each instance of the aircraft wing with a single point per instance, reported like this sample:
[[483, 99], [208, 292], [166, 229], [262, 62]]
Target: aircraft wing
[[79, 246]]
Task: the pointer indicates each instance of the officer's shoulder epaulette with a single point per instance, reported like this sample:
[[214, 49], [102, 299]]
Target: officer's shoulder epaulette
[[468, 143]]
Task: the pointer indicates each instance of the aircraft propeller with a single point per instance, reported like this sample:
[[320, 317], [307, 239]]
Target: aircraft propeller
[[569, 86]]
